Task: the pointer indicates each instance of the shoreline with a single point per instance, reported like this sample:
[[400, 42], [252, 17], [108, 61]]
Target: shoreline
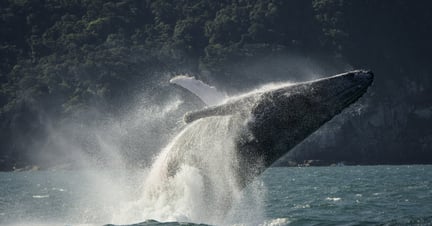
[[306, 163]]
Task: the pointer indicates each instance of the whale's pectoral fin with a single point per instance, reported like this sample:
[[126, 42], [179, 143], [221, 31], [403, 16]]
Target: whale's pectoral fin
[[208, 94]]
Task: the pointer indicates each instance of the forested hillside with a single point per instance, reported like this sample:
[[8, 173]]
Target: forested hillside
[[62, 59]]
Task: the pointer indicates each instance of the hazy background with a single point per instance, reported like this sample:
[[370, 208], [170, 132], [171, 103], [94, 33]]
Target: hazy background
[[86, 82]]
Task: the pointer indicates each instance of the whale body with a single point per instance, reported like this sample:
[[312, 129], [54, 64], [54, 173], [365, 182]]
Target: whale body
[[278, 119]]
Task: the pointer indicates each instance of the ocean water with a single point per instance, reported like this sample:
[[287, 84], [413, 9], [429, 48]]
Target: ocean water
[[347, 195]]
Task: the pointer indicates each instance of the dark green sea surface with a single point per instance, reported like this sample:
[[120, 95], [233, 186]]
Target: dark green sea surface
[[348, 195]]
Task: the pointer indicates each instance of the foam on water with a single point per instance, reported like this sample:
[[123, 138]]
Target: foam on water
[[193, 179]]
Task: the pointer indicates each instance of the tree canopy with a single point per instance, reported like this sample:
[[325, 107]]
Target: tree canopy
[[61, 57]]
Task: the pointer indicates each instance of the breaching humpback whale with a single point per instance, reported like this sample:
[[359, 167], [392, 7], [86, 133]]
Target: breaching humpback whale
[[280, 118]]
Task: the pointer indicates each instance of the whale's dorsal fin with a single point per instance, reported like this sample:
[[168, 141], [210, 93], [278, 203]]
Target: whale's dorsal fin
[[208, 94]]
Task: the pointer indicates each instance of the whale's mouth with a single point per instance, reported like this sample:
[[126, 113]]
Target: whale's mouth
[[353, 95], [352, 86], [354, 92], [349, 95]]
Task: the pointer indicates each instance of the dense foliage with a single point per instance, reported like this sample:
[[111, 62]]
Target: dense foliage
[[61, 58]]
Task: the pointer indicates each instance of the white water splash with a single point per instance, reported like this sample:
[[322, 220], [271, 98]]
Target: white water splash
[[194, 179]]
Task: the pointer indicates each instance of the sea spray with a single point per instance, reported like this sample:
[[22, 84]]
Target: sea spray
[[193, 179], [113, 155]]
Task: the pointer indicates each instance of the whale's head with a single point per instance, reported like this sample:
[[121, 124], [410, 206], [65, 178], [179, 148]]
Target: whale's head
[[339, 91], [284, 117]]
